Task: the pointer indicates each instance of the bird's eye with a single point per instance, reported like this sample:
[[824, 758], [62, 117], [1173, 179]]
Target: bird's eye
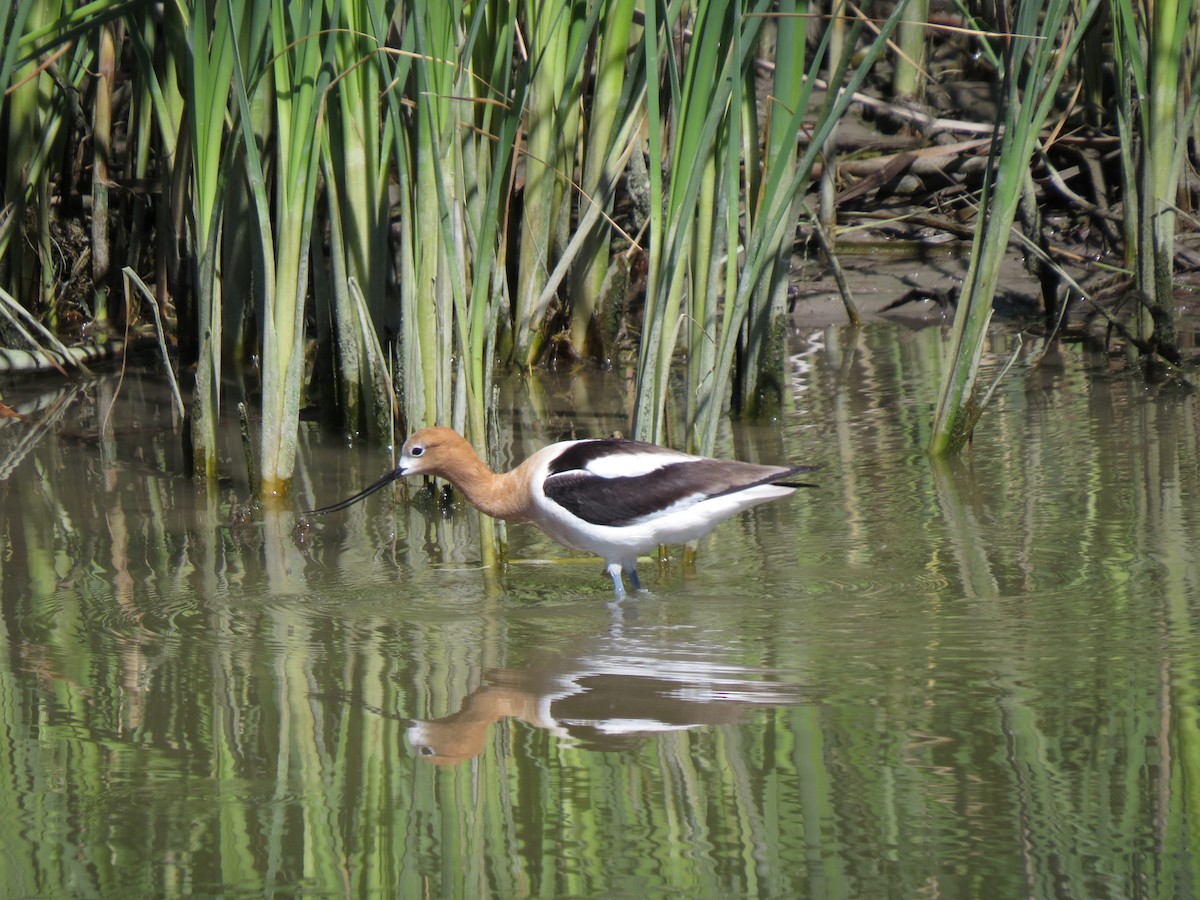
[[416, 451], [426, 750]]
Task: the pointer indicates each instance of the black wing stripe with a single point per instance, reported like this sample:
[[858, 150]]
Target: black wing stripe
[[622, 501]]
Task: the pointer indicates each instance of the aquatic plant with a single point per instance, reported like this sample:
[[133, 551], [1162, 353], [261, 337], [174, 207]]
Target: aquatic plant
[[1155, 50], [370, 209], [1036, 56], [737, 317]]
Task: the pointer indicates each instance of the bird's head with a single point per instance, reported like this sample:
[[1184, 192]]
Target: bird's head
[[433, 451], [436, 450]]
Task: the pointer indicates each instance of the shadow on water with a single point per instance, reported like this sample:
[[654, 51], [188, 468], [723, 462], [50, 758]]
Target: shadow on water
[[917, 678]]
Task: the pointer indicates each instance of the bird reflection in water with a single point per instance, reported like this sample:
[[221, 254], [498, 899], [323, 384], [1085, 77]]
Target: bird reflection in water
[[611, 707]]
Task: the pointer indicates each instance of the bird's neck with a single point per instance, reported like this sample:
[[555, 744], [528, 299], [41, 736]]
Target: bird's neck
[[501, 496]]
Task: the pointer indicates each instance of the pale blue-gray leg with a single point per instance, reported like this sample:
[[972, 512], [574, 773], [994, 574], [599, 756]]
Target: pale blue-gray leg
[[614, 572]]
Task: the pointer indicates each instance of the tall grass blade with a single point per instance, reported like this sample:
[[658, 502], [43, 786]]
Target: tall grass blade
[[908, 76], [1038, 54], [611, 104], [760, 380], [1156, 53], [38, 114], [354, 161], [780, 183], [209, 54], [300, 72], [701, 104]]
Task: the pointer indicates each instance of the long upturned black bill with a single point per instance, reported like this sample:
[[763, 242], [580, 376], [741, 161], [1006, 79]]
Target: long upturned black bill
[[350, 501]]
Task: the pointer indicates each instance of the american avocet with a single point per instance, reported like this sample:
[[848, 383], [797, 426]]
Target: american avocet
[[614, 498]]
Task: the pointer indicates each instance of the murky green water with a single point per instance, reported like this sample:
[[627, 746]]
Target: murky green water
[[976, 680]]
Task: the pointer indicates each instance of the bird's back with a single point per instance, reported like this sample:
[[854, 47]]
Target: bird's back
[[606, 492]]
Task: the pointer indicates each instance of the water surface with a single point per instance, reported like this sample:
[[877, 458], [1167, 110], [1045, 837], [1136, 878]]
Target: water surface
[[976, 679]]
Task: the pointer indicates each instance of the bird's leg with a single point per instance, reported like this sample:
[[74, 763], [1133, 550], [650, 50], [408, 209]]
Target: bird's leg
[[631, 570], [614, 572]]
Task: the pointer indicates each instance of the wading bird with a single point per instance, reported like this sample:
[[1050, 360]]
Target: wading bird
[[611, 497]]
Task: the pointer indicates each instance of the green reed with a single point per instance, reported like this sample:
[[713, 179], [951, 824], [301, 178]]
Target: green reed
[[909, 75], [769, 230], [685, 133], [356, 150], [1156, 55], [1036, 57], [300, 71], [45, 71], [208, 50], [275, 100], [760, 371], [429, 251], [457, 108], [548, 162], [614, 108], [442, 180]]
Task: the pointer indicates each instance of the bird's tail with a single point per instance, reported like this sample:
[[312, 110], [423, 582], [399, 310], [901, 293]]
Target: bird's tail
[[796, 470]]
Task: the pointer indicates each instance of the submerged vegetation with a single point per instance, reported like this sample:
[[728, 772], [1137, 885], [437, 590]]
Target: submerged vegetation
[[368, 207]]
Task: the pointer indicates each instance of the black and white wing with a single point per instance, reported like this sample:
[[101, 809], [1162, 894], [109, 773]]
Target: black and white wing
[[618, 483]]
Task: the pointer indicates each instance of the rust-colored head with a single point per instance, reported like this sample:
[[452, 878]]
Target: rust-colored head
[[436, 450]]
